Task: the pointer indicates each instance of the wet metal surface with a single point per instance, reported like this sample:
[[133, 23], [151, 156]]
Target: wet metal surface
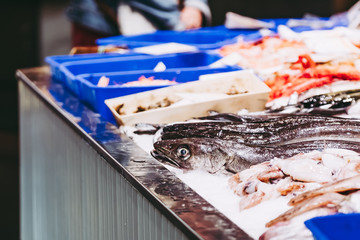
[[178, 202]]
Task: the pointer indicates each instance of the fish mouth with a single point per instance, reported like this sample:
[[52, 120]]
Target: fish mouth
[[157, 155]]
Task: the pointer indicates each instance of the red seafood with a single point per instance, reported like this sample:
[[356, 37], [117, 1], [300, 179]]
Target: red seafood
[[268, 52], [150, 81], [310, 75]]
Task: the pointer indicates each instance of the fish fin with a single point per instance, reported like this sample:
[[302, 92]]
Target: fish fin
[[236, 166], [224, 171]]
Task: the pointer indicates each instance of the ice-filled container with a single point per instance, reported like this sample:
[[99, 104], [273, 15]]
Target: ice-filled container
[[56, 60]]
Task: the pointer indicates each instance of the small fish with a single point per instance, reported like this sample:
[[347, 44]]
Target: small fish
[[334, 100], [214, 155], [331, 103], [146, 128]]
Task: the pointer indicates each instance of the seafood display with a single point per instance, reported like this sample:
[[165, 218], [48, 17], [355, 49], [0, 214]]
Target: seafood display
[[294, 64], [294, 175], [306, 74], [274, 133], [338, 197], [336, 99], [298, 149], [310, 159], [240, 141], [331, 99], [317, 183], [220, 92], [278, 52], [268, 52]]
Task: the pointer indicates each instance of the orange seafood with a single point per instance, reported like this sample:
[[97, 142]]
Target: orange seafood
[[150, 81], [312, 75], [265, 53]]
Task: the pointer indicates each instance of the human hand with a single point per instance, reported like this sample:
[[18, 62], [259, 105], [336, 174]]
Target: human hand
[[191, 17]]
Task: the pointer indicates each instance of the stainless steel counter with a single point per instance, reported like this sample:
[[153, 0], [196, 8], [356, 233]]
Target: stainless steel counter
[[82, 179]]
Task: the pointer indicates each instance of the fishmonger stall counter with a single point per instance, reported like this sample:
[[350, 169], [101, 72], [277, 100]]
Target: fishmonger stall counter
[[82, 179], [257, 139]]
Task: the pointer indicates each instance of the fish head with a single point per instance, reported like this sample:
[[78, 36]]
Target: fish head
[[191, 153]]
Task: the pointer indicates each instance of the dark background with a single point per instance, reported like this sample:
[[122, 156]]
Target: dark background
[[277, 8], [34, 29]]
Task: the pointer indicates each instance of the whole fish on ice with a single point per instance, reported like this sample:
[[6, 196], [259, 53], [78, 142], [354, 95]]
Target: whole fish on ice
[[235, 142], [215, 155]]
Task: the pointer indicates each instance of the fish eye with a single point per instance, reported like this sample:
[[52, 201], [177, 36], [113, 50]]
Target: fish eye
[[183, 152]]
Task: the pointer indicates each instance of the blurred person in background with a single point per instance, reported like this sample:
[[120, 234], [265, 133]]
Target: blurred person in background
[[93, 19]]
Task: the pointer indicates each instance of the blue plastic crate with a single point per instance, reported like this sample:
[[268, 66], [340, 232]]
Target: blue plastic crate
[[334, 227], [55, 61], [204, 38], [132, 63], [95, 96], [201, 39]]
